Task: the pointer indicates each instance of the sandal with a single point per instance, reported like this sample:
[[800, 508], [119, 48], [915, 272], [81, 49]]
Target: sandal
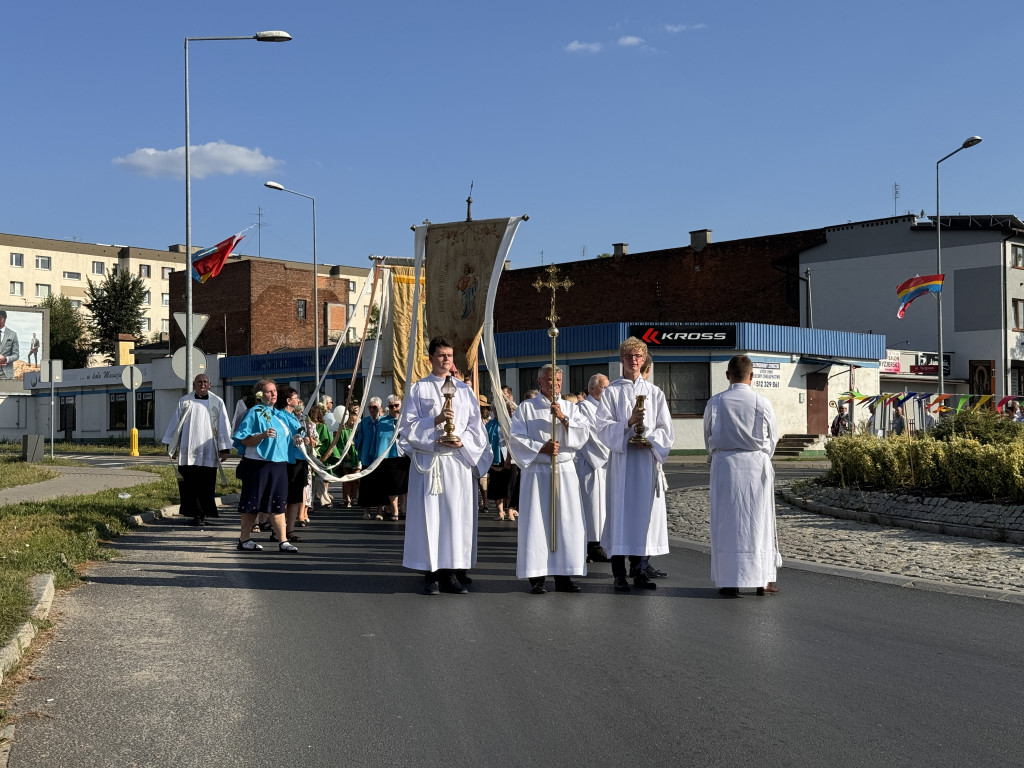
[[513, 515], [771, 589], [367, 516], [394, 518]]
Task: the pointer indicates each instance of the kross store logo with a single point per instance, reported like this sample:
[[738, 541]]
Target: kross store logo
[[651, 336]]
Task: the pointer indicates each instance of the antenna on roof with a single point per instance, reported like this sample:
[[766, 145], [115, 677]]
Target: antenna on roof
[[895, 196], [469, 203]]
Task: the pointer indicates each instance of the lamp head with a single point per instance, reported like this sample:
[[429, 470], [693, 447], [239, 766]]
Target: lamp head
[[274, 185], [448, 388], [971, 142], [273, 36]]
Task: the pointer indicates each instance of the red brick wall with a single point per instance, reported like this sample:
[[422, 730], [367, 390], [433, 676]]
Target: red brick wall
[[733, 281], [259, 300]]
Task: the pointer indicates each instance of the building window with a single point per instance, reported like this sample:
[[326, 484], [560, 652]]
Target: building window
[[118, 411], [166, 272], [42, 290], [76, 303], [72, 275], [144, 410], [300, 309], [351, 312], [147, 298], [366, 311], [687, 386], [527, 379], [98, 268], [165, 299], [113, 269], [147, 324], [351, 286], [17, 259], [143, 270], [579, 376], [17, 288], [165, 325], [1018, 314], [1017, 253], [42, 262]]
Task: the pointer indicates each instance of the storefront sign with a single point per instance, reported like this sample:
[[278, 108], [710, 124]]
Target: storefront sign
[[767, 375], [715, 336]]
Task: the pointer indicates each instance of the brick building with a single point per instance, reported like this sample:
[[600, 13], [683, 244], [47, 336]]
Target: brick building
[[750, 280], [261, 305]]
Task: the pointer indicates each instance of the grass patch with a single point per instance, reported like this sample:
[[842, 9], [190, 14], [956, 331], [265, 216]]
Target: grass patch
[[14, 471], [112, 445], [63, 535]]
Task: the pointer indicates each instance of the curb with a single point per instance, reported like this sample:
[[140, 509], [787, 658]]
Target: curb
[[896, 521], [171, 511], [41, 587]]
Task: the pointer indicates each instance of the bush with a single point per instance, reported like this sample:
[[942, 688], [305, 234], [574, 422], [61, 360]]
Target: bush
[[984, 425]]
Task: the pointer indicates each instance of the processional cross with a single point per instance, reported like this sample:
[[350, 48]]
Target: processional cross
[[553, 284]]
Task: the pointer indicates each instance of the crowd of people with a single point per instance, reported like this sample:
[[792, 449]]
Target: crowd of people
[[581, 475]]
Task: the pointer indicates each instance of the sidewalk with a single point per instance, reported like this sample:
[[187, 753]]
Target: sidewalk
[[76, 481]]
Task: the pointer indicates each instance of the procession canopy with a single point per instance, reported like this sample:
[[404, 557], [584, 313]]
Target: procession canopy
[[460, 263]]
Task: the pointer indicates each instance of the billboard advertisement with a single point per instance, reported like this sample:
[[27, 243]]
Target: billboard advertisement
[[24, 341]]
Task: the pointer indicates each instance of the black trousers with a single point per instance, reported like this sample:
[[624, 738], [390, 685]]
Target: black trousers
[[635, 562], [196, 490]]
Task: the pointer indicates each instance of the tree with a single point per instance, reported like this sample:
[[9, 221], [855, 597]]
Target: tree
[[69, 339], [116, 306]]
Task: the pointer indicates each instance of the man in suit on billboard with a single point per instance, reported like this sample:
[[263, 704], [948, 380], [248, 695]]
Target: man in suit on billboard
[[8, 348]]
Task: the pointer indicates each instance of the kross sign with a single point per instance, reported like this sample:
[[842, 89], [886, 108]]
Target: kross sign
[[719, 336]]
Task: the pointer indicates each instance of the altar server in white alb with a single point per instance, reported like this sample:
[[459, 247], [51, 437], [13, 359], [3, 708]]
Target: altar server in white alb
[[592, 468], [637, 524], [440, 526], [740, 434], [199, 438], [533, 445]]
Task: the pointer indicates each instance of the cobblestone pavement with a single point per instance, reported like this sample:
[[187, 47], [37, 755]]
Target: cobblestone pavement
[[813, 538], [76, 481]]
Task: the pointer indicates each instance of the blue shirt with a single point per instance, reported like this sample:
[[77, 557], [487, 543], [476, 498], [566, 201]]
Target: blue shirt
[[260, 418], [373, 437]]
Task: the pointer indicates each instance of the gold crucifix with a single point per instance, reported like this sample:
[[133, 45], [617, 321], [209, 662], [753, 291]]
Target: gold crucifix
[[553, 284]]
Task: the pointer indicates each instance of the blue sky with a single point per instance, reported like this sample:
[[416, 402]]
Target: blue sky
[[604, 121]]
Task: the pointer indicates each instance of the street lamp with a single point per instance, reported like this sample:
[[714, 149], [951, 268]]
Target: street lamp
[[972, 141], [316, 295], [273, 36]]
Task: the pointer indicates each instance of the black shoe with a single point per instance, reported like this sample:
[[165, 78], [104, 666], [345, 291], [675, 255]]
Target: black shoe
[[621, 585], [196, 521], [640, 581], [431, 588], [537, 586], [565, 584], [463, 577], [654, 573], [729, 591], [451, 585], [596, 553]]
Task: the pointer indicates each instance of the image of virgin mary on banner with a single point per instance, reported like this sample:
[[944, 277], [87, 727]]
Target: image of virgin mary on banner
[[461, 261]]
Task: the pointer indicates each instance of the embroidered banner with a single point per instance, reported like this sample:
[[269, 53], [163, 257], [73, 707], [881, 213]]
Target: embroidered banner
[[403, 281]]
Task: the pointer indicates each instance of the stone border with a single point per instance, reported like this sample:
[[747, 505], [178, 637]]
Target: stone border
[[860, 510], [41, 587]]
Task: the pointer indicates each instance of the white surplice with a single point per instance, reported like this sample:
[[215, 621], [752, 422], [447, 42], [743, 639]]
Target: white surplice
[[637, 523], [740, 434], [204, 433], [531, 428], [441, 512], [592, 469]]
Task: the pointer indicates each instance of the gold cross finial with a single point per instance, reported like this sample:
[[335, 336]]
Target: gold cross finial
[[552, 284]]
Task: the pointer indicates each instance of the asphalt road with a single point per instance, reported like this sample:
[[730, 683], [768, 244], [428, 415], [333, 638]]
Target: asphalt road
[[186, 652]]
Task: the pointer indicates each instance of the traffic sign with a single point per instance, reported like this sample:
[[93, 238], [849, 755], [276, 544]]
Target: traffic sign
[[131, 377], [178, 362]]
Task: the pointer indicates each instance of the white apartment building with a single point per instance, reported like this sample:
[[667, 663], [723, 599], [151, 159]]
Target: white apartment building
[[31, 268]]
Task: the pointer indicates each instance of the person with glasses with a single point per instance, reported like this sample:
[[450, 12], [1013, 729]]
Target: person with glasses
[[371, 440], [637, 523], [395, 467], [298, 470]]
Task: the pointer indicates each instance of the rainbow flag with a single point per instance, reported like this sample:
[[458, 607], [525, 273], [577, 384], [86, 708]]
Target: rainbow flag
[[910, 289], [209, 262]]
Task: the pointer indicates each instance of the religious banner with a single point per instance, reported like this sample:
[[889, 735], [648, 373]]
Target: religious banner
[[460, 259], [403, 281]]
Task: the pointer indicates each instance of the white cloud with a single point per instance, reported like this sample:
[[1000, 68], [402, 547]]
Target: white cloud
[[631, 40], [682, 27], [216, 157], [577, 47]]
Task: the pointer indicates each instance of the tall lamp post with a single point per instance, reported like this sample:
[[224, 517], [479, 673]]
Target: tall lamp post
[[972, 141], [273, 36], [316, 295]]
